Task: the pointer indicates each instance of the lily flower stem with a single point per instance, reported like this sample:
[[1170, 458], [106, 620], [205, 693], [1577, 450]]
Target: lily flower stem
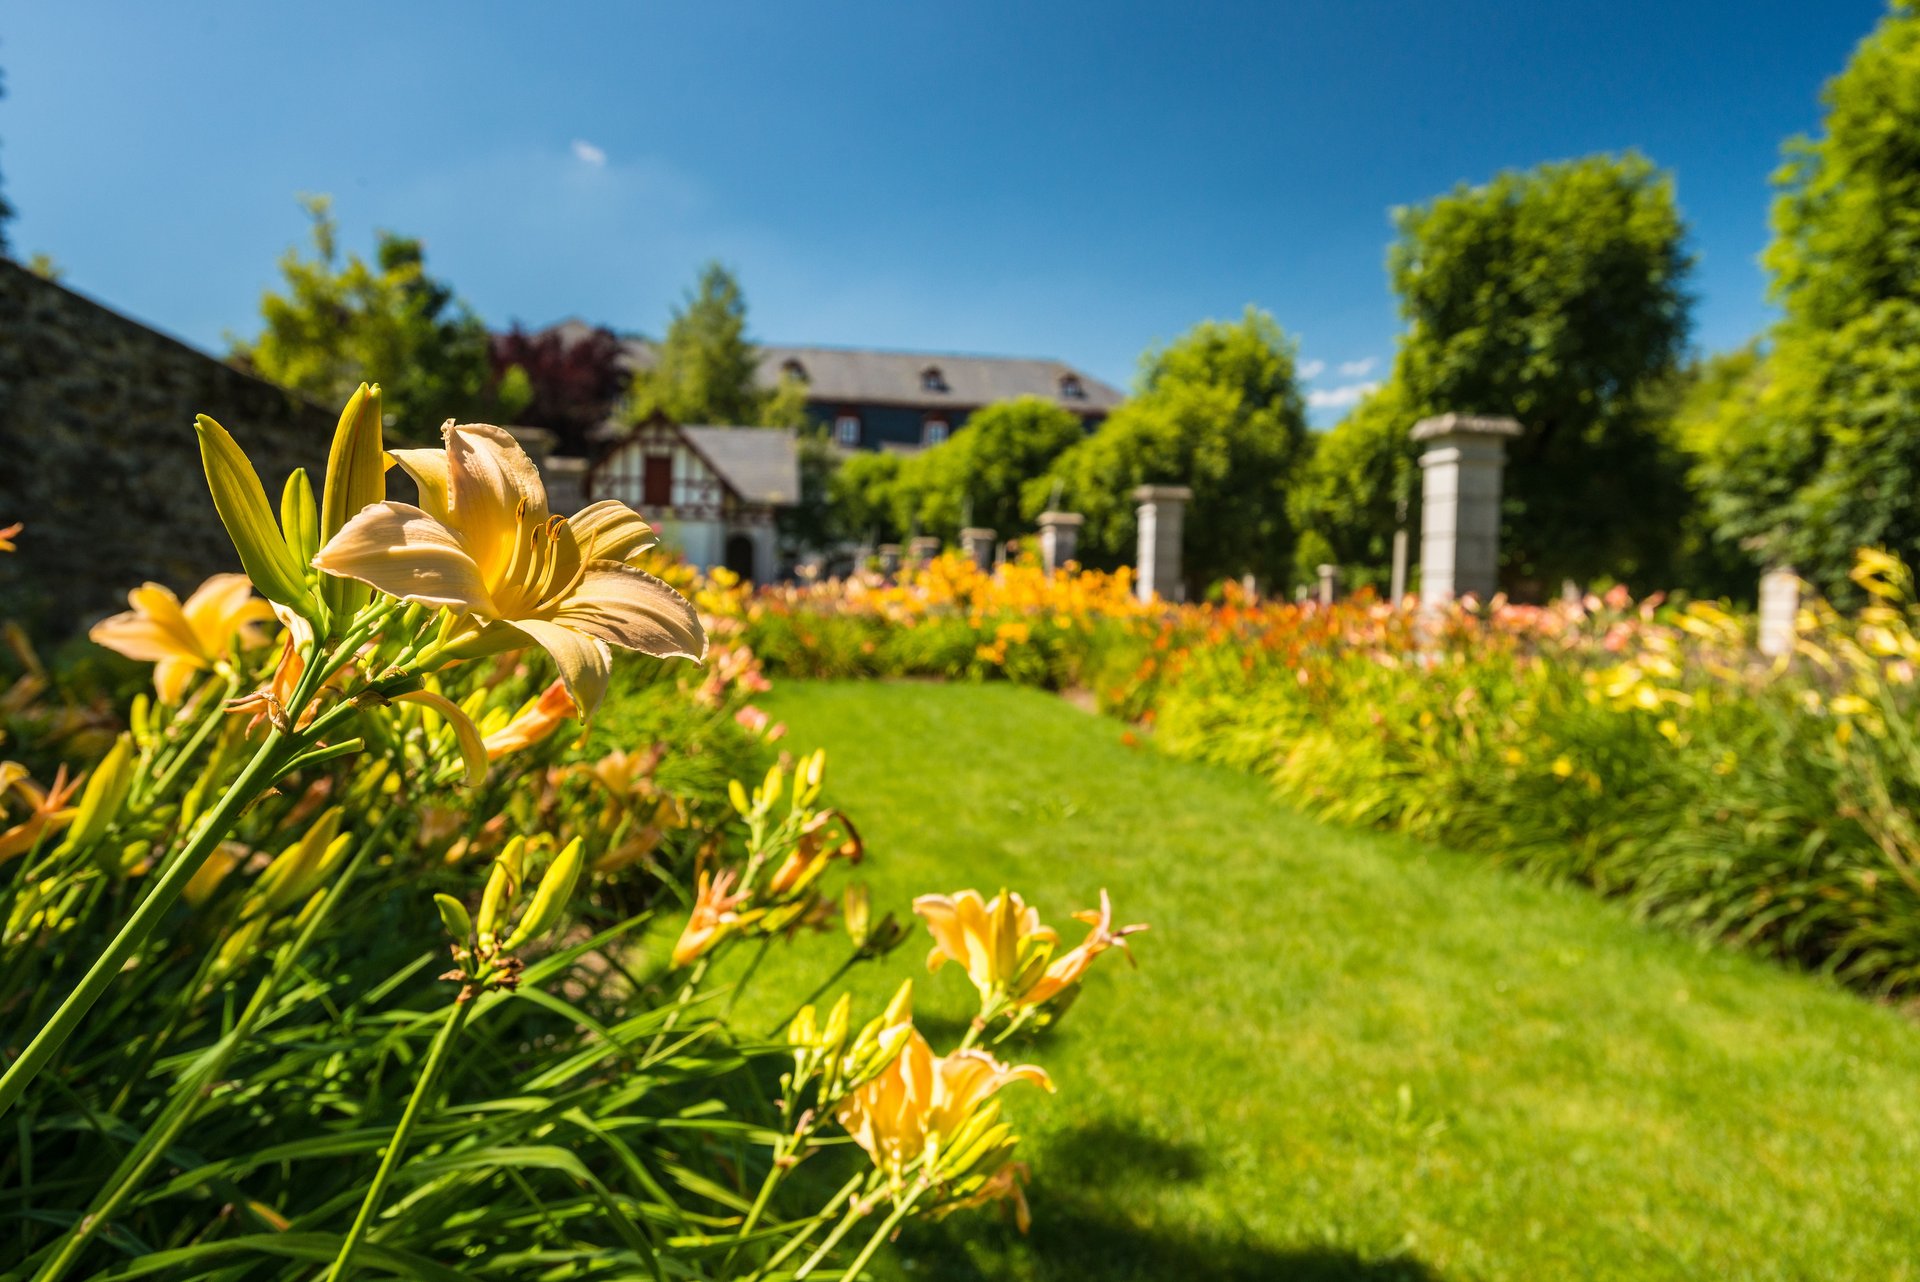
[[191, 1093], [680, 1002], [212, 828], [390, 1161], [211, 719], [782, 1151], [268, 763], [799, 1239], [853, 960], [881, 1234]]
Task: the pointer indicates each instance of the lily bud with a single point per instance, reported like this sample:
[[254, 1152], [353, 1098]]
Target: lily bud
[[299, 519], [738, 796], [356, 477], [503, 887], [550, 901], [856, 912], [454, 918], [242, 504], [105, 793]]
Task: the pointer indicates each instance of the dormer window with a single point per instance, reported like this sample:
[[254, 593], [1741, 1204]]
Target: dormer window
[[793, 369], [932, 380], [1071, 388]]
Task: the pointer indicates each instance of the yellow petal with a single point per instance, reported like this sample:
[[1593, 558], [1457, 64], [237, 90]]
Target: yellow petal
[[428, 468], [407, 554], [172, 676], [610, 531], [222, 606], [156, 628], [472, 753], [585, 663], [489, 478], [631, 609]]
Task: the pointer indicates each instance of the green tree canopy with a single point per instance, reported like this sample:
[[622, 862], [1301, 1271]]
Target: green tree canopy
[[705, 369], [338, 323], [1823, 456], [977, 475], [1556, 295], [6, 210], [1220, 411], [1360, 484], [861, 490]]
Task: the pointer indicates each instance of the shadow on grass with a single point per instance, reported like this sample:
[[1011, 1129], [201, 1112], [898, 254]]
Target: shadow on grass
[[1077, 1235]]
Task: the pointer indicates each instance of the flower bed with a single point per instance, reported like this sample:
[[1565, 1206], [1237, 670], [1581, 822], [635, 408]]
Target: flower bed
[[1642, 748]]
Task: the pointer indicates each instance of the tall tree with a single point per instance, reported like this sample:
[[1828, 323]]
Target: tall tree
[[338, 322], [6, 210], [1360, 485], [1219, 411], [706, 368], [1826, 458], [1557, 296], [977, 474]]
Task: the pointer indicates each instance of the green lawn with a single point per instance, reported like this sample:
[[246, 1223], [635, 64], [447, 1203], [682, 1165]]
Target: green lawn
[[1346, 1055]]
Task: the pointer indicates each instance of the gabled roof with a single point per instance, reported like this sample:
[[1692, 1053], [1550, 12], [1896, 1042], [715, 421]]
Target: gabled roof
[[760, 464], [863, 376], [902, 378]]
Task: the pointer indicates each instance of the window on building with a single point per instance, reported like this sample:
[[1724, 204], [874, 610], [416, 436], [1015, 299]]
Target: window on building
[[933, 432], [794, 369], [846, 429], [657, 489], [1071, 388], [932, 380]]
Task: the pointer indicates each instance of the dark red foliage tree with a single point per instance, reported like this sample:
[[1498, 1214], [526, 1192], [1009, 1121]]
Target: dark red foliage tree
[[576, 375]]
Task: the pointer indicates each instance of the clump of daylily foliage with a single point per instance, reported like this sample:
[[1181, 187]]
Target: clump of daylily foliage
[[359, 945], [1644, 747]]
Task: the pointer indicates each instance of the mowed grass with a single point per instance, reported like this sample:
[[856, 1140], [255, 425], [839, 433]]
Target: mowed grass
[[1346, 1055]]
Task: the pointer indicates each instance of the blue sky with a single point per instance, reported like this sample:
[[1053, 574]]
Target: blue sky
[[1073, 180]]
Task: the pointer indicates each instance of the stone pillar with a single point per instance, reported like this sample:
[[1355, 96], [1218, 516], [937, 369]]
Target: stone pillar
[[922, 549], [978, 545], [1460, 504], [1163, 510], [1329, 582], [1059, 538], [1779, 607], [889, 558]]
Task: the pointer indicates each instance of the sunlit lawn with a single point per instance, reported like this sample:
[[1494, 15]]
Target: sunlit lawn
[[1350, 1056]]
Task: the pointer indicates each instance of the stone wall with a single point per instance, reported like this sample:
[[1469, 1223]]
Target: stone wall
[[98, 458]]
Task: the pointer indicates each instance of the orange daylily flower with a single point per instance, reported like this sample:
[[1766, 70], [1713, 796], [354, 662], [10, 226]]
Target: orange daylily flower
[[47, 809], [532, 724], [713, 915], [1066, 971], [182, 639]]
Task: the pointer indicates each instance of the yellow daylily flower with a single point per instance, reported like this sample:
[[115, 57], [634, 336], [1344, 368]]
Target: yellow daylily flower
[[993, 939], [182, 639], [483, 543], [918, 1102], [47, 808], [8, 534]]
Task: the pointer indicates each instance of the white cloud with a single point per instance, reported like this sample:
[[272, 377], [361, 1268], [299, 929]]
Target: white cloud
[[1338, 398], [588, 154], [1358, 369], [1312, 369]]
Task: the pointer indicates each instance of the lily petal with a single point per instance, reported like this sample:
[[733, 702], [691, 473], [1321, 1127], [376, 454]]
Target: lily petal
[[585, 663], [172, 676], [405, 553], [222, 606], [472, 753], [428, 468], [610, 531], [489, 478], [634, 610]]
